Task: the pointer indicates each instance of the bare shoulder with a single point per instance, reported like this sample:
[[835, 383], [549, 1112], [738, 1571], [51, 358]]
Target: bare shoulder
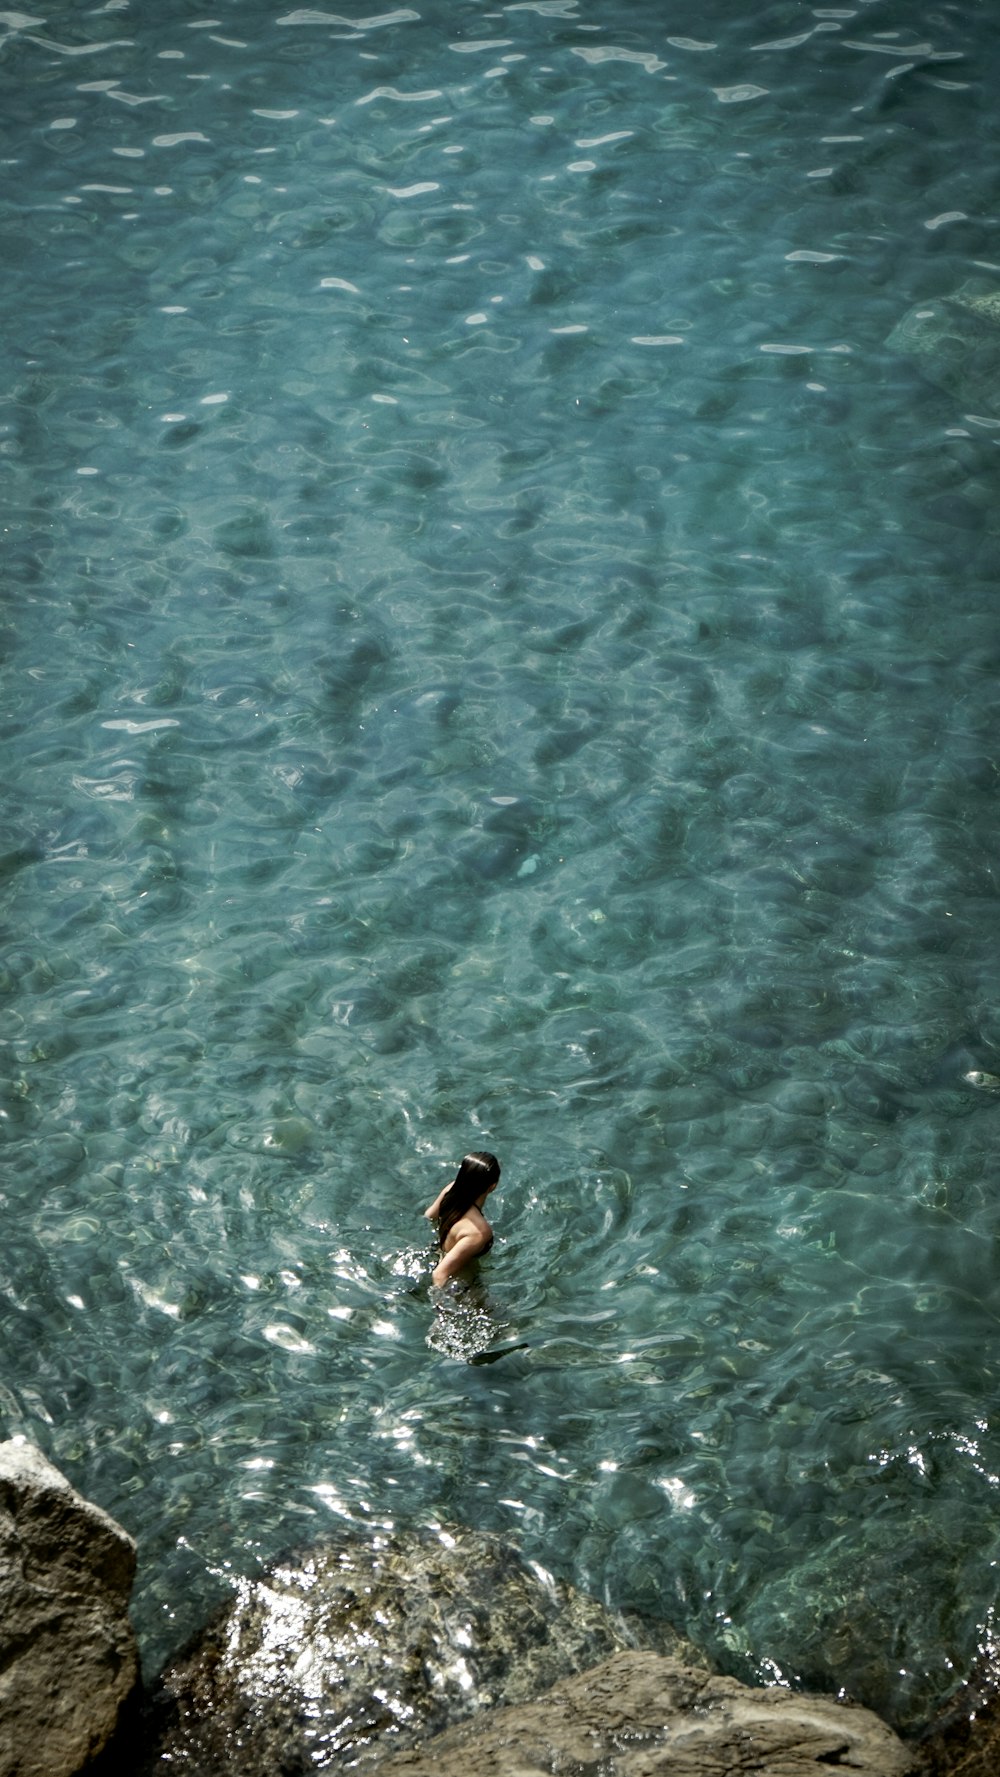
[[470, 1232]]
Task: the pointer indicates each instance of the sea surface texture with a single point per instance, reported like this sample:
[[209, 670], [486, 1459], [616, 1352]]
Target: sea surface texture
[[499, 653]]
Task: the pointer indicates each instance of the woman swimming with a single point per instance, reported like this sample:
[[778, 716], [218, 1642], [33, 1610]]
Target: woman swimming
[[463, 1231]]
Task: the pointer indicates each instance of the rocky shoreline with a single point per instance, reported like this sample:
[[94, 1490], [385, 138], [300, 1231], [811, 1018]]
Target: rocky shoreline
[[407, 1656]]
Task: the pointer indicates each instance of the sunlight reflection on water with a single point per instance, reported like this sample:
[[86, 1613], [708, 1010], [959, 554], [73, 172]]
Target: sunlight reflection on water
[[499, 651]]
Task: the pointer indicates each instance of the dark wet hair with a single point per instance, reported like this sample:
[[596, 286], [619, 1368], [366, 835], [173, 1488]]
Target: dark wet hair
[[475, 1175]]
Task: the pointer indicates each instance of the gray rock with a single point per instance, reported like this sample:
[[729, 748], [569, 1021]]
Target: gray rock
[[350, 1646], [68, 1659], [641, 1715]]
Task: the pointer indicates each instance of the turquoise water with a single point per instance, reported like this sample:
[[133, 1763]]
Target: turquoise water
[[499, 654]]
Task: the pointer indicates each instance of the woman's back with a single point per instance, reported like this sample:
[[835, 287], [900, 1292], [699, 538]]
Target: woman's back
[[464, 1233]]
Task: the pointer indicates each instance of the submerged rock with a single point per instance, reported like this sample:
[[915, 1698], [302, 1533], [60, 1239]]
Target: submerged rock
[[955, 341], [964, 1738], [68, 1660], [352, 1645], [641, 1715]]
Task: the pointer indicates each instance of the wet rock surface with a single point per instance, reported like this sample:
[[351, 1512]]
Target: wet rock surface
[[68, 1660], [351, 1646], [642, 1715]]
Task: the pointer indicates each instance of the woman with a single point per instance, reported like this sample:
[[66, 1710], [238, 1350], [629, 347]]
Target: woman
[[463, 1231]]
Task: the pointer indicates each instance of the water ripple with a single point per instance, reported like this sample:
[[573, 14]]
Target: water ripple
[[499, 652]]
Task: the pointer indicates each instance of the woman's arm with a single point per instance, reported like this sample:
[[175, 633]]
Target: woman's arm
[[435, 1209], [465, 1249]]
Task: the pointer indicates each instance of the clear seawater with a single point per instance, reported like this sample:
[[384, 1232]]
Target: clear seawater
[[498, 653]]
